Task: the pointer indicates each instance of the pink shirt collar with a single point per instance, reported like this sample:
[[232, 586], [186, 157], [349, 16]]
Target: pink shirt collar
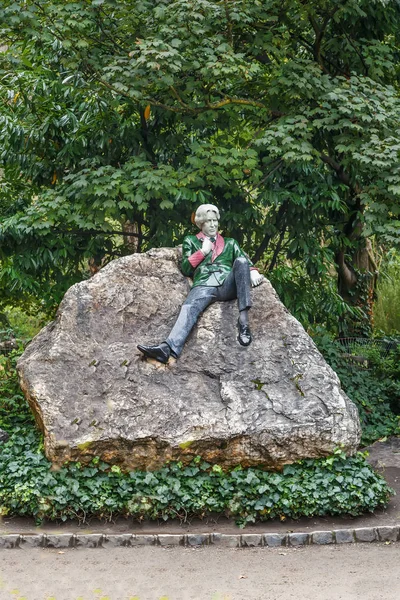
[[219, 244]]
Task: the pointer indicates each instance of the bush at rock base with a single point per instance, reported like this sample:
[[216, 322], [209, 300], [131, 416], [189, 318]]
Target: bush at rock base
[[328, 486]]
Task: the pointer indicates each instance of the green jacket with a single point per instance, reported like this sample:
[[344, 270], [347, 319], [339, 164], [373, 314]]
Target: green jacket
[[210, 272]]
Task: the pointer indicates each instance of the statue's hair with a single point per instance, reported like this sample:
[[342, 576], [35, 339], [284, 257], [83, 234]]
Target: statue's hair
[[201, 214]]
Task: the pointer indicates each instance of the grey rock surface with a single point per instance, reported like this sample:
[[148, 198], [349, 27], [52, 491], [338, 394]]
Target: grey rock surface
[[94, 394]]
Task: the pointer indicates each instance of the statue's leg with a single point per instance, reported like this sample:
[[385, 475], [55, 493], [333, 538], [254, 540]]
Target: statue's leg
[[198, 299], [237, 285]]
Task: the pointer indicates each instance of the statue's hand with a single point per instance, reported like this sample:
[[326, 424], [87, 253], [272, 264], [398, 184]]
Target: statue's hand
[[206, 247], [256, 278]]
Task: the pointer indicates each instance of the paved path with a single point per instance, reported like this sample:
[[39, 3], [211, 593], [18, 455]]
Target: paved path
[[356, 572]]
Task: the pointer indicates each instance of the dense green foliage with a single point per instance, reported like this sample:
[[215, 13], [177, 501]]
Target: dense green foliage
[[120, 117], [28, 485], [387, 305], [373, 384]]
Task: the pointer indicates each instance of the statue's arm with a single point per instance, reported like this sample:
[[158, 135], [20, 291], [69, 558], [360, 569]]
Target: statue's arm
[[191, 256], [255, 275], [239, 253]]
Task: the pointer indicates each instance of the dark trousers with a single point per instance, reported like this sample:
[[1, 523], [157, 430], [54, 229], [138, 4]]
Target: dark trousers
[[236, 285]]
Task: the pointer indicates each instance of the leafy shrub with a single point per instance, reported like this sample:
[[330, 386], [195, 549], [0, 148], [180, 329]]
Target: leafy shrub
[[386, 308], [24, 325], [312, 300], [14, 409], [375, 390]]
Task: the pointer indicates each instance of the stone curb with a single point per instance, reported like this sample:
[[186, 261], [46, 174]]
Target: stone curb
[[239, 540]]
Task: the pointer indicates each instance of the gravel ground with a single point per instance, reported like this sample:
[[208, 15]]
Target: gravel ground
[[356, 572]]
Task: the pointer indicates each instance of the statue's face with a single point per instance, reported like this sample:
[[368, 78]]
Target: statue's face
[[210, 227]]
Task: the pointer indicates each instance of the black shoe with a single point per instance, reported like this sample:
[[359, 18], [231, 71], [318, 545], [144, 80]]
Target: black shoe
[[160, 353], [244, 336]]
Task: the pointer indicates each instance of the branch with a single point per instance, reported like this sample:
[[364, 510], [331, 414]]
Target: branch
[[264, 179], [177, 96], [324, 58], [342, 175], [127, 95], [277, 250], [99, 232], [320, 32], [265, 243], [241, 101], [146, 145], [229, 23], [357, 51], [107, 35], [353, 226], [345, 272], [305, 43], [317, 44], [189, 109]]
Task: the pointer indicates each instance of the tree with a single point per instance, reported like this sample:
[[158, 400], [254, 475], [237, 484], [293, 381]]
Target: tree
[[120, 117]]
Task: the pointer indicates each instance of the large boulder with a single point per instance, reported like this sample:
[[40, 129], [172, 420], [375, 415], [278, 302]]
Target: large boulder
[[94, 394]]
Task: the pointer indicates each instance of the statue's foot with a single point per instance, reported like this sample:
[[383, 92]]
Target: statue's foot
[[244, 336], [160, 353]]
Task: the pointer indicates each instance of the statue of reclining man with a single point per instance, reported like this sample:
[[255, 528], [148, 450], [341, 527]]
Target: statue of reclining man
[[221, 271]]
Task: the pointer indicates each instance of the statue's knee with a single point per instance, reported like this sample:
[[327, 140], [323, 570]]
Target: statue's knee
[[240, 262]]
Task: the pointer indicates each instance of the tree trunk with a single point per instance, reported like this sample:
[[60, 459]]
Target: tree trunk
[[357, 278], [132, 241]]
